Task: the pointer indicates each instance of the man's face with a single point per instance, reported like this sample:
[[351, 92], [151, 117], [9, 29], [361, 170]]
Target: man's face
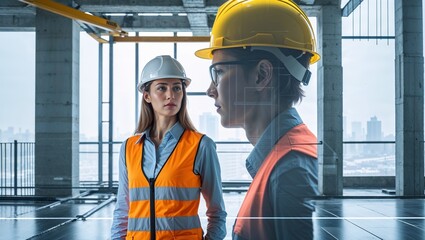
[[230, 89]]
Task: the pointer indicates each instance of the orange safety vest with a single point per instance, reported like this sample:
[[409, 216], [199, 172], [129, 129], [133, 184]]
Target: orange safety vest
[[165, 207], [251, 222]]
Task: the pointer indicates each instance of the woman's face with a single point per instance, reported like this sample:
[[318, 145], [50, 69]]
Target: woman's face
[[166, 96], [231, 91]]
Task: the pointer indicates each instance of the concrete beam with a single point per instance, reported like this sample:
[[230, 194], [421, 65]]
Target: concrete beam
[[329, 97], [128, 23], [11, 3], [18, 10], [22, 22], [198, 21], [196, 16], [153, 24], [409, 98], [143, 6], [56, 106]]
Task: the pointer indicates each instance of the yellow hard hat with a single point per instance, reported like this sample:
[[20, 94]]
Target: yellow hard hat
[[267, 23]]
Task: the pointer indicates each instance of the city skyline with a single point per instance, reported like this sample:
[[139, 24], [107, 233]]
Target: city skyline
[[21, 113], [210, 124], [359, 159]]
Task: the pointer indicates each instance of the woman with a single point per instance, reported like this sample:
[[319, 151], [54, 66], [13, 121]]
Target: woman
[[166, 165]]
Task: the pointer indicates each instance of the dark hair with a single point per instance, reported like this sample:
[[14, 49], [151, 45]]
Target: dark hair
[[288, 90], [147, 114]]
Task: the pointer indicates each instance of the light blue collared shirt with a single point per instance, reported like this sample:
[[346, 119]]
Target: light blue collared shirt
[[206, 165], [292, 182]]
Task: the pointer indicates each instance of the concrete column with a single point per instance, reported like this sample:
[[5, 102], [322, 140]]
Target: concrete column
[[57, 105], [329, 96], [409, 98]]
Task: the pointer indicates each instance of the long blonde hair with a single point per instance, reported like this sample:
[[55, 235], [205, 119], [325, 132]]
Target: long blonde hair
[[147, 114]]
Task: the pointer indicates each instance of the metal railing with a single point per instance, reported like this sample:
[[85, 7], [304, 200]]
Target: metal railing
[[17, 168], [17, 173]]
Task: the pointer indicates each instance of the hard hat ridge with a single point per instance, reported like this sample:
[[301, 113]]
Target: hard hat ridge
[[160, 67]]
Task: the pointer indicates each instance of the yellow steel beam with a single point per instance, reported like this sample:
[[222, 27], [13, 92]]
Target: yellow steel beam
[[162, 39], [98, 38], [77, 15], [92, 32]]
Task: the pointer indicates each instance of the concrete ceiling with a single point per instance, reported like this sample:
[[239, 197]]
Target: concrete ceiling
[[196, 16]]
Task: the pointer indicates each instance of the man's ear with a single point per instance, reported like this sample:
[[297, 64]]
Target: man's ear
[[147, 97], [264, 74]]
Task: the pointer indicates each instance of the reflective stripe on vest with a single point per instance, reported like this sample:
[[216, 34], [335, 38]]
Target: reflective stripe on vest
[[255, 209], [176, 192]]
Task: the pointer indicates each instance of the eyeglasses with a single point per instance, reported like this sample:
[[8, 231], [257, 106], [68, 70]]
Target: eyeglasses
[[215, 73]]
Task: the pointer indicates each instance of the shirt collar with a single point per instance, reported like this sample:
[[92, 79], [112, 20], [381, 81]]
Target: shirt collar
[[278, 127], [175, 131]]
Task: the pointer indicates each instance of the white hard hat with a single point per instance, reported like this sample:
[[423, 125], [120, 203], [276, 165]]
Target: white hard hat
[[162, 67]]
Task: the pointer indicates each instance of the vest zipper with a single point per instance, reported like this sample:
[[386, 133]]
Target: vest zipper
[[152, 207]]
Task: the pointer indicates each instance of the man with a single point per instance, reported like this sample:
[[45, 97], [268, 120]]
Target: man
[[261, 51]]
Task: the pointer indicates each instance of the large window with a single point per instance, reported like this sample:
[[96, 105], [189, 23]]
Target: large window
[[368, 90], [17, 86], [232, 145]]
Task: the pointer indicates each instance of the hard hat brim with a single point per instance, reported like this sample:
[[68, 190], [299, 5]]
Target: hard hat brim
[[207, 53], [141, 85]]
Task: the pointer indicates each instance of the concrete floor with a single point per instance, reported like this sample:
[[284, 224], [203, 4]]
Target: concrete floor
[[373, 216]]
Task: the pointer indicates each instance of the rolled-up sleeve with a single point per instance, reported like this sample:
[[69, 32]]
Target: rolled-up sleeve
[[120, 218], [207, 165]]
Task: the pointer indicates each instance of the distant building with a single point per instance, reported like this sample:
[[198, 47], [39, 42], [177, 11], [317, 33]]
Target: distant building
[[9, 135], [356, 135], [232, 159], [357, 131], [209, 125], [389, 149], [374, 133], [374, 129]]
